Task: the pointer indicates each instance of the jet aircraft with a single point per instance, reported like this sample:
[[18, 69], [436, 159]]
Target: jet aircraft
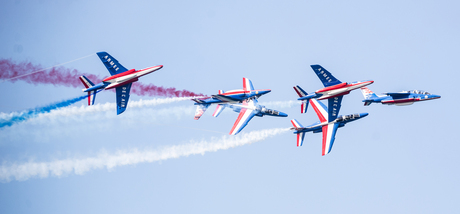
[[247, 110], [399, 98], [232, 96], [332, 87], [328, 124], [121, 79]]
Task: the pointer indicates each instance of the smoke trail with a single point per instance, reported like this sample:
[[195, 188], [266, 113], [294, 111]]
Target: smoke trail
[[59, 168], [282, 104], [10, 71], [59, 111], [56, 76], [9, 120]]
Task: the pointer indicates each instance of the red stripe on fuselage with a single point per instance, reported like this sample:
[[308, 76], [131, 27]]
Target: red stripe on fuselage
[[132, 71], [400, 100], [122, 83], [341, 85], [328, 97]]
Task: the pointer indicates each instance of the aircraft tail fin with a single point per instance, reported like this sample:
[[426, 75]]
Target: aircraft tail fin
[[300, 135], [247, 85], [221, 91], [218, 110], [200, 109], [91, 94], [368, 96], [302, 93], [86, 82]]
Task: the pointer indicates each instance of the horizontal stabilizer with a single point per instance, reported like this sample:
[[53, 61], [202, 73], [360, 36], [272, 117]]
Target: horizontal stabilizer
[[367, 102], [300, 137], [91, 97], [304, 106], [200, 109], [296, 124]]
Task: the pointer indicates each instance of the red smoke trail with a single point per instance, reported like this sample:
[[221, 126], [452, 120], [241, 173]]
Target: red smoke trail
[[61, 76]]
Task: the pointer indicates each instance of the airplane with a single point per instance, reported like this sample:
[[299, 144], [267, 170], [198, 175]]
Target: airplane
[[399, 98], [247, 110], [121, 79], [328, 124], [232, 96], [332, 87]]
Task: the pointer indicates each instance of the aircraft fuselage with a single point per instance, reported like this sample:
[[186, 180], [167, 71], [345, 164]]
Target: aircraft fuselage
[[128, 77], [340, 89]]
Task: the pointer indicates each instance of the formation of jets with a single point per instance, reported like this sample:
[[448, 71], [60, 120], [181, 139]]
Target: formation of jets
[[245, 101]]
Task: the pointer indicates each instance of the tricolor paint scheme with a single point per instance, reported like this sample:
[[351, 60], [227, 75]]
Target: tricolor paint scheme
[[328, 124], [228, 97], [247, 110], [332, 87], [121, 79], [399, 98]]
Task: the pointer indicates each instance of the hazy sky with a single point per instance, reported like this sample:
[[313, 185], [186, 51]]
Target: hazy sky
[[155, 158]]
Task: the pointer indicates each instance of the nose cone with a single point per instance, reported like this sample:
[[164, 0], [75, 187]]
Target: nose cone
[[262, 92], [282, 114], [434, 96], [363, 114], [368, 82]]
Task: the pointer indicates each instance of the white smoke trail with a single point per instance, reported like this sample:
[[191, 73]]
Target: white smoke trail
[[74, 110], [59, 168], [282, 104]]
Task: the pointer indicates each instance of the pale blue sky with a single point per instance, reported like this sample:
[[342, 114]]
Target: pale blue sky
[[396, 160]]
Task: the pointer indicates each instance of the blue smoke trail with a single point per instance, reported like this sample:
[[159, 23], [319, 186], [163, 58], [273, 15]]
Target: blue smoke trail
[[23, 116]]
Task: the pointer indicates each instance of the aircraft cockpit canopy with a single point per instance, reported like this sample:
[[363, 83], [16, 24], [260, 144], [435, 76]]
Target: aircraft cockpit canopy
[[420, 92]]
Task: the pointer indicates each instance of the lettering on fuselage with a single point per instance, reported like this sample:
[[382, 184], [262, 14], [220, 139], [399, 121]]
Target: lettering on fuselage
[[111, 63], [328, 79]]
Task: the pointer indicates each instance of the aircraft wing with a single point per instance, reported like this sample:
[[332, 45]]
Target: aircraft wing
[[398, 95], [334, 105], [246, 114], [321, 110], [329, 131], [111, 63], [325, 76], [224, 98], [122, 97]]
